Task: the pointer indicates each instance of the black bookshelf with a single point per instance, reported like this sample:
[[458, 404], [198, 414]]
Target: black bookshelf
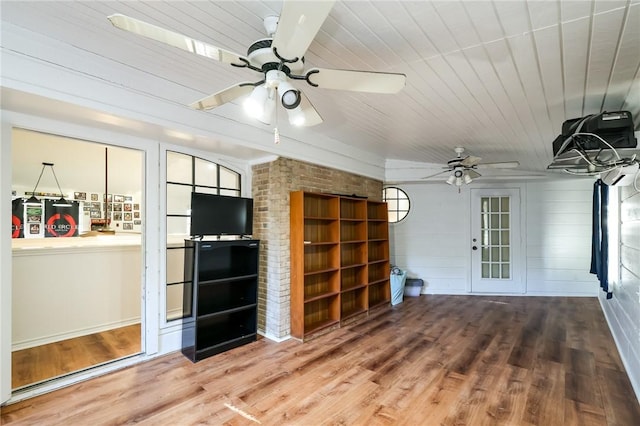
[[221, 291]]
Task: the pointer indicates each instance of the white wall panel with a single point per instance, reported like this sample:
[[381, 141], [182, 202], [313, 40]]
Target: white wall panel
[[559, 238], [623, 309]]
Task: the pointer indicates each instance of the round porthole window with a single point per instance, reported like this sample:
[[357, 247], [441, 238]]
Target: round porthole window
[[397, 203]]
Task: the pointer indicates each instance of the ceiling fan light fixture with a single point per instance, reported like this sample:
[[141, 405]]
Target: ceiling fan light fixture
[[451, 179], [296, 116], [268, 108], [289, 96], [254, 105], [467, 178]]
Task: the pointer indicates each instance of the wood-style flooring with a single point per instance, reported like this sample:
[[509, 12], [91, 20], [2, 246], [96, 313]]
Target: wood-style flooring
[[44, 362], [432, 360]]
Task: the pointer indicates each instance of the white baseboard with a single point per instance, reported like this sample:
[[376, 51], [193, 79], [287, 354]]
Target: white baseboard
[[274, 338], [542, 293], [30, 343]]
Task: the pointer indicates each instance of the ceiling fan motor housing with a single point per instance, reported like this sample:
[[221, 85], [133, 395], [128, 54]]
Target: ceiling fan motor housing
[[261, 55]]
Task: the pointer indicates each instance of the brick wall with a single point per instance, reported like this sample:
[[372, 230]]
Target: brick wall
[[271, 185]]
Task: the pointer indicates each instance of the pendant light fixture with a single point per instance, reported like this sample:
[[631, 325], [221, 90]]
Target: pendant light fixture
[[33, 200]]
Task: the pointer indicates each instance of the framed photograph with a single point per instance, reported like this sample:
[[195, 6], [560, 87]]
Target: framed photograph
[[137, 222], [128, 198], [136, 206], [127, 207], [82, 196], [117, 207], [127, 216], [136, 215], [34, 228], [127, 226], [118, 198], [107, 197], [95, 214], [117, 216], [34, 214], [86, 208], [96, 206], [94, 197]]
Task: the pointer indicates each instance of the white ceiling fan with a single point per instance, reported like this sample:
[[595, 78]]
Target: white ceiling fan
[[462, 170], [280, 59]]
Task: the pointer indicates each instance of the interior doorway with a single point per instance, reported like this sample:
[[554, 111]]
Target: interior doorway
[[76, 301], [496, 241]]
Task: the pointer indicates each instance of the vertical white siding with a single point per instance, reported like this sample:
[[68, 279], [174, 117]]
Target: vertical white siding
[[623, 310], [433, 242], [558, 238]]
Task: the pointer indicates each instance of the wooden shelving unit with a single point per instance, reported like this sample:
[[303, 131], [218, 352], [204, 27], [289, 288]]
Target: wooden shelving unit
[[334, 243]]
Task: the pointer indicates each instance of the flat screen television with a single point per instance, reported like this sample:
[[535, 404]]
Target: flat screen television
[[220, 215]]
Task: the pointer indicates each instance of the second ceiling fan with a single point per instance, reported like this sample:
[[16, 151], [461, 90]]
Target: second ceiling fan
[[280, 59], [462, 170]]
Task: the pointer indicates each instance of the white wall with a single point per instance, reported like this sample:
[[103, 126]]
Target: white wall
[[623, 310], [558, 238], [80, 286], [432, 243]]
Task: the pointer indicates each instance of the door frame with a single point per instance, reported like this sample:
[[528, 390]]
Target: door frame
[[517, 255], [151, 277]]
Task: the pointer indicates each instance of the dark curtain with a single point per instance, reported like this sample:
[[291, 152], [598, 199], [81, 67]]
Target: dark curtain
[[600, 236]]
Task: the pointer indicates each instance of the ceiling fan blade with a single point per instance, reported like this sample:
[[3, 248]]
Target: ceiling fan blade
[[356, 81], [311, 115], [473, 174], [298, 25], [175, 39], [470, 160], [223, 96], [502, 165], [434, 175]]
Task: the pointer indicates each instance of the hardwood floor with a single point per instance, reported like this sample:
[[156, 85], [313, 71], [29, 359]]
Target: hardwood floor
[[44, 362], [432, 360]]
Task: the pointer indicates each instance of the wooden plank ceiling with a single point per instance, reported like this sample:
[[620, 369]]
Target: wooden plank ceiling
[[496, 77]]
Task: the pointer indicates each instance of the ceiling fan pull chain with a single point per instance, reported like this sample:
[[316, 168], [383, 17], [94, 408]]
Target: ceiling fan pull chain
[[276, 132]]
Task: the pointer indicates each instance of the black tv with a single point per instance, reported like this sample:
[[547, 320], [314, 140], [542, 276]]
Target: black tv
[[220, 215]]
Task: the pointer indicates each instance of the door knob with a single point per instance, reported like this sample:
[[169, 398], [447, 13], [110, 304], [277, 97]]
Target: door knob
[[475, 247]]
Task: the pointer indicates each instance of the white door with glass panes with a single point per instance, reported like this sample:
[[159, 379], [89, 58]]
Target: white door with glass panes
[[496, 241]]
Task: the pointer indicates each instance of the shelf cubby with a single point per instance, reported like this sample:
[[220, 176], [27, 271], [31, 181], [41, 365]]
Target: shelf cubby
[[321, 284], [321, 313], [321, 257], [353, 254], [353, 302], [320, 230], [379, 293], [378, 250], [353, 208], [353, 277]]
